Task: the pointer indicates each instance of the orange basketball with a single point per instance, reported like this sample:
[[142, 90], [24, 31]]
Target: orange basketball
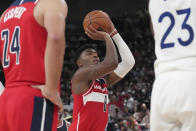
[[99, 20]]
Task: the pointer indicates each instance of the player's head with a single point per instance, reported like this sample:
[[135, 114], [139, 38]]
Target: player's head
[[86, 55]]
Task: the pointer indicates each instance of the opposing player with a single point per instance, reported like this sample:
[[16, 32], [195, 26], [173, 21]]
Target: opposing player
[[32, 43], [173, 106], [90, 81], [1, 88]]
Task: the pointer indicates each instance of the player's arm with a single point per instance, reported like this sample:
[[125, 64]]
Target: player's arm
[[54, 13], [127, 62], [109, 63], [125, 65], [86, 74]]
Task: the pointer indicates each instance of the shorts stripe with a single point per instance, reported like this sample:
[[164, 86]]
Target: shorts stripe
[[37, 114], [42, 115], [49, 116]]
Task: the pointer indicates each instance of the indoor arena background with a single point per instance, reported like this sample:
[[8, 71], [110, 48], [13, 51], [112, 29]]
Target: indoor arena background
[[130, 98]]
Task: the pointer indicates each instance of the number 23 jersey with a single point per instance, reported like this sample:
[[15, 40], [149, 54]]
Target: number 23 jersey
[[174, 25]]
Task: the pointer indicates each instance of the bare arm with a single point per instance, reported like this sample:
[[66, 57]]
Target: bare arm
[[54, 22], [54, 14], [86, 74], [112, 78]]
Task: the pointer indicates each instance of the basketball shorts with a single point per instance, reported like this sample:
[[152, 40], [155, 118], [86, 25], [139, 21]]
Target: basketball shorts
[[24, 109], [64, 127], [173, 102]]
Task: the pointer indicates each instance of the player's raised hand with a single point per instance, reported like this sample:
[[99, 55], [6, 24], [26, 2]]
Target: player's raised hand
[[111, 27], [100, 20], [53, 96], [95, 34]]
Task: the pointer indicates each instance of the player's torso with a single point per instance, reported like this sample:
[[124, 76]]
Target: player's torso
[[174, 24], [91, 108], [22, 45]]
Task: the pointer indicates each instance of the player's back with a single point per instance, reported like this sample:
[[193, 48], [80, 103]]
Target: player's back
[[174, 24], [22, 45]]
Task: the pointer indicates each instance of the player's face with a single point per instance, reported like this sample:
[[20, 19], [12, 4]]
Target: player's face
[[89, 57]]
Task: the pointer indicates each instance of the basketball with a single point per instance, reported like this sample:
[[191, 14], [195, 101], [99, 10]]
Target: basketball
[[99, 20]]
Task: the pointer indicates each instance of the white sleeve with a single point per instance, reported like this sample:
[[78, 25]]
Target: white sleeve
[[128, 60], [1, 88]]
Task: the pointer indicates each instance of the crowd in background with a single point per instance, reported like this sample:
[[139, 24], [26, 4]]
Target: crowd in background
[[129, 106]]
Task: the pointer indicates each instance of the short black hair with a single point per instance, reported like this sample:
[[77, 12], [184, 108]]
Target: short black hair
[[81, 49]]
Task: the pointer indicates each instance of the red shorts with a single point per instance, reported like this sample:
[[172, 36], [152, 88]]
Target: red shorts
[[24, 109]]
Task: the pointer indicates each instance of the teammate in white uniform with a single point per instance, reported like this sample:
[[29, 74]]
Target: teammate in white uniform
[[173, 101]]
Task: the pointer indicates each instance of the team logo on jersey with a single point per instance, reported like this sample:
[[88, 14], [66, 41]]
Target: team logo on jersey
[[100, 88]]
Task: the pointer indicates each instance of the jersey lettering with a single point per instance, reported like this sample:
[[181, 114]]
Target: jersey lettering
[[14, 13], [14, 46], [184, 26]]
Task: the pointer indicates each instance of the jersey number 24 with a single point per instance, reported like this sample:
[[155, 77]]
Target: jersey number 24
[[13, 47], [185, 26]]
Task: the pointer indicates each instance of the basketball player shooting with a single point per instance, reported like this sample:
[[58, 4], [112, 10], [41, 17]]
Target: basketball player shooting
[[173, 105], [90, 81]]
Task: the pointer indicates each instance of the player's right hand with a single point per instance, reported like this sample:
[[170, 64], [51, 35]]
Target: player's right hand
[[111, 27], [95, 34], [53, 96]]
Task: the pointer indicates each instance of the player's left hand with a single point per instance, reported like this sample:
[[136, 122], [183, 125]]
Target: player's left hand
[[53, 96], [111, 28]]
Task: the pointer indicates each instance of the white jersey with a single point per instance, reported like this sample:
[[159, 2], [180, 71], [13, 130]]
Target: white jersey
[[174, 24], [1, 88]]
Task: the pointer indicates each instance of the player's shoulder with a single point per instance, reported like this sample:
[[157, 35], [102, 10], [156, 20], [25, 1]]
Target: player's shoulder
[[84, 70], [54, 7], [58, 4], [80, 75]]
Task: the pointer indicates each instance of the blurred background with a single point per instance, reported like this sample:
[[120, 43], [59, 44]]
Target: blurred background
[[129, 106]]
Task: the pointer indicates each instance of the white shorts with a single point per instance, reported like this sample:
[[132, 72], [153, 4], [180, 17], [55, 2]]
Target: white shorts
[[173, 102]]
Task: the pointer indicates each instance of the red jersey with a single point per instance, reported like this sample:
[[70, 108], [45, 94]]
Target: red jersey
[[22, 45], [90, 110]]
